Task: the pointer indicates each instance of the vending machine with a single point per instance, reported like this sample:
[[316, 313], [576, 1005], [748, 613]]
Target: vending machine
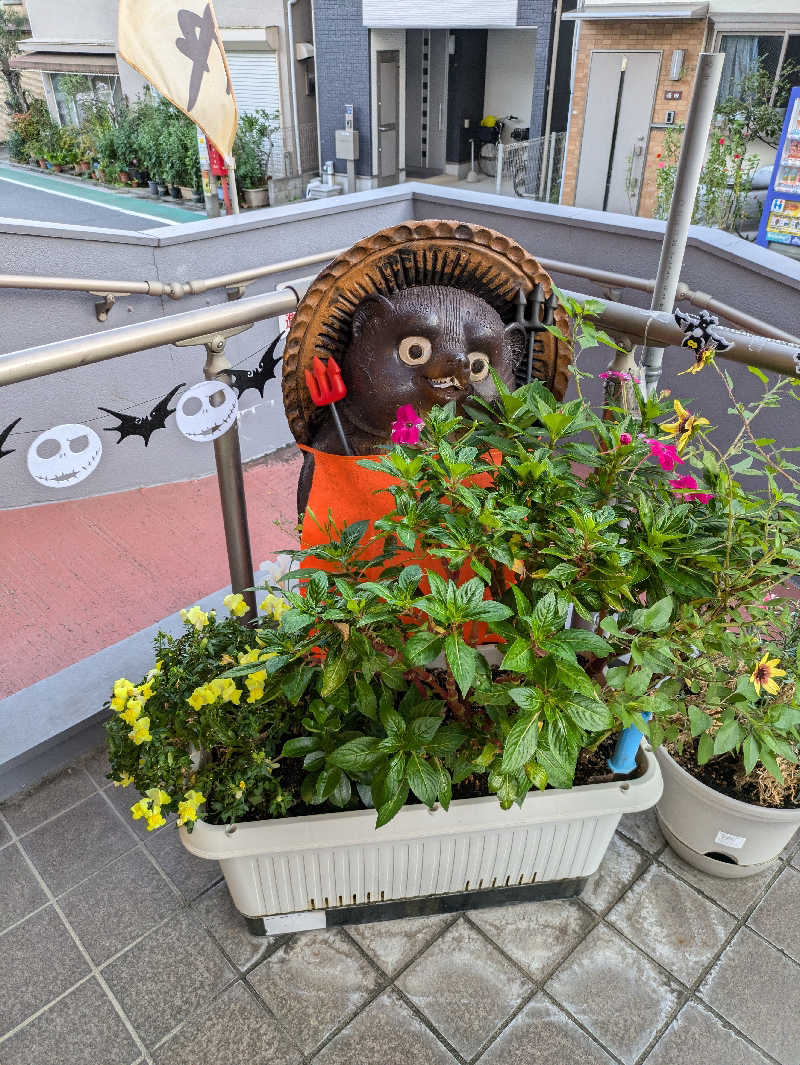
[[780, 221]]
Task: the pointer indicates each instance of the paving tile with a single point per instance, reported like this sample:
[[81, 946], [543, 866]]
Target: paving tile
[[20, 893], [557, 1039], [83, 1028], [48, 797], [757, 989], [97, 765], [78, 843], [122, 799], [190, 875], [464, 986], [538, 935], [620, 866], [792, 848], [235, 1029], [777, 918], [695, 1036], [615, 992], [672, 923], [176, 967], [118, 904], [386, 1032], [643, 828], [394, 943], [40, 961], [314, 983], [229, 928], [736, 894]]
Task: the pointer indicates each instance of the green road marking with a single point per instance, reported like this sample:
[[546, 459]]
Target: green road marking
[[112, 200]]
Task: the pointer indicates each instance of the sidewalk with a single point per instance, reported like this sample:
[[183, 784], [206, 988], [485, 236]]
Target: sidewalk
[[80, 575]]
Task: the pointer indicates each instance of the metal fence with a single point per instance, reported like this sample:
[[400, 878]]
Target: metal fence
[[283, 159], [532, 169]]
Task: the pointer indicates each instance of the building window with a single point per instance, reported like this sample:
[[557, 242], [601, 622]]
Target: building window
[[73, 94], [743, 52]]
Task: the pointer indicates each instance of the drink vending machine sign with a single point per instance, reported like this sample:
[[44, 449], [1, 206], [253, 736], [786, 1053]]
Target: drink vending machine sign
[[780, 221]]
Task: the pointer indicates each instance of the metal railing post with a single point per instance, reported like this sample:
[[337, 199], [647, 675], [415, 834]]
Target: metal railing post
[[228, 459], [498, 181], [695, 138]]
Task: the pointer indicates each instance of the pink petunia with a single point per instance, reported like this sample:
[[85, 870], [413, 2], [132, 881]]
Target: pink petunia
[[625, 438], [405, 429], [667, 455], [618, 375], [686, 486]]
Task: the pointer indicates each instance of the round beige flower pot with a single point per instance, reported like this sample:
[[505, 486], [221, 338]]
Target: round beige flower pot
[[312, 871], [256, 197], [715, 833]]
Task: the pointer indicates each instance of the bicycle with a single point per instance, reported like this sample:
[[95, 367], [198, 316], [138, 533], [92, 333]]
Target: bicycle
[[488, 138]]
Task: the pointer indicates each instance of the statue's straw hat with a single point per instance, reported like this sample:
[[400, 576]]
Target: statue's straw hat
[[430, 252]]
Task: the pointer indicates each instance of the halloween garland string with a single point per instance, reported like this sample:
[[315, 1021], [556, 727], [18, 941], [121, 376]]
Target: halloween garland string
[[65, 454]]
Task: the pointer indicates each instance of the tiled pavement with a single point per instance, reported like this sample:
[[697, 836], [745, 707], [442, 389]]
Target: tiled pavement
[[120, 948]]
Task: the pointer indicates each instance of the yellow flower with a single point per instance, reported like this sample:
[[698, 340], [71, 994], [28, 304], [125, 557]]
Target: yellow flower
[[124, 781], [197, 798], [225, 688], [764, 674], [684, 426], [187, 810], [132, 714], [159, 796], [141, 731], [155, 819], [226, 660], [146, 691], [274, 606], [198, 698], [196, 617], [141, 809], [123, 688], [118, 703], [248, 656], [235, 604]]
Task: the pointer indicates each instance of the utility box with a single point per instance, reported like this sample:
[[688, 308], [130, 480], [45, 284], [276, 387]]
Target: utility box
[[347, 144]]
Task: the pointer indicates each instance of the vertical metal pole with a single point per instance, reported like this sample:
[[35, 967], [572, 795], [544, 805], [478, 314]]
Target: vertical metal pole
[[498, 181], [550, 158], [695, 138], [551, 87], [228, 458], [211, 197], [233, 190]]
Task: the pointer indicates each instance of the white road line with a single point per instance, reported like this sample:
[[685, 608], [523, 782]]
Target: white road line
[[96, 203]]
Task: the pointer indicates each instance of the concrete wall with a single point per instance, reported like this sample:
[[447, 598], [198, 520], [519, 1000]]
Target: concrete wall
[[760, 282], [510, 57]]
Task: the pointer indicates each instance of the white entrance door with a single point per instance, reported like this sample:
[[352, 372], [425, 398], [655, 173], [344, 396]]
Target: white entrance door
[[388, 116], [616, 130]]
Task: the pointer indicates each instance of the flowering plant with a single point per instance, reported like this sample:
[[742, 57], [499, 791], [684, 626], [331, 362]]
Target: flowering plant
[[544, 576]]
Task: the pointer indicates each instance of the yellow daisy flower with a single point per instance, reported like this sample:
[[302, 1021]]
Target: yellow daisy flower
[[764, 674], [684, 426]]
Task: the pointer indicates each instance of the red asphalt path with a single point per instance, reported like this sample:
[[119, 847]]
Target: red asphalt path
[[81, 575]]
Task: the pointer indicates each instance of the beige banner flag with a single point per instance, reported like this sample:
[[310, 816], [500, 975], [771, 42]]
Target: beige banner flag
[[176, 45]]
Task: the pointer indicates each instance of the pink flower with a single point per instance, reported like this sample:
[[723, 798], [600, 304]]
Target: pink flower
[[667, 455], [661, 166], [618, 375], [625, 438], [405, 430], [686, 486]]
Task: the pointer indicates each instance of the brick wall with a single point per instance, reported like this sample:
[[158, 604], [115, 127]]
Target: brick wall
[[628, 35]]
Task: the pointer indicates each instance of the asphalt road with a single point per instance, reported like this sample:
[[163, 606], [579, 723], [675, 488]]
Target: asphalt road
[[43, 198]]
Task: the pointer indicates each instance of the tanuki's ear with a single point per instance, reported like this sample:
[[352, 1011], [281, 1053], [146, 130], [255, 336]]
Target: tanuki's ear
[[514, 340], [370, 308]]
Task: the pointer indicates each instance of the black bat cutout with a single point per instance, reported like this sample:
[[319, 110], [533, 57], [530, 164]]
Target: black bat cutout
[[699, 330], [241, 380], [143, 427], [5, 435]]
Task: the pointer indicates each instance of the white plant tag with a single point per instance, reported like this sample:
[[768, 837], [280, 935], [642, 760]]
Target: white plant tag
[[727, 840]]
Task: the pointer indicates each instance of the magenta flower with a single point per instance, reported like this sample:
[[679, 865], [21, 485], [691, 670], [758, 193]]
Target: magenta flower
[[625, 438], [618, 375], [405, 429], [686, 486], [667, 455]]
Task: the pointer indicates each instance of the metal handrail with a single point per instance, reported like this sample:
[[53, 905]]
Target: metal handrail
[[237, 281]]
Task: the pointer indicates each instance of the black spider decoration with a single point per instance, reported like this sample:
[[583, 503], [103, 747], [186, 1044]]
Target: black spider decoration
[[143, 427], [241, 380], [701, 337], [5, 435]]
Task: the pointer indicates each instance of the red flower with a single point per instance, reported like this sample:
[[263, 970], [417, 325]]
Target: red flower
[[625, 438], [722, 140], [737, 157], [667, 455], [658, 155], [405, 430]]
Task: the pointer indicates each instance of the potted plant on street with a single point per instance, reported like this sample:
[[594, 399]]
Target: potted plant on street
[[252, 151]]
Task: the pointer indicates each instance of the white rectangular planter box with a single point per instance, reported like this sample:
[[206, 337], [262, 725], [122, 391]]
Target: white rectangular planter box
[[326, 861]]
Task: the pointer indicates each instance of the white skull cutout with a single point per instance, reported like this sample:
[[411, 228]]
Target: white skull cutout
[[206, 410], [64, 455]]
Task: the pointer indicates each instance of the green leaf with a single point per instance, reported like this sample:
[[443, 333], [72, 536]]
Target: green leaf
[[482, 571], [445, 785], [655, 617], [366, 699], [705, 749], [750, 753], [526, 698], [574, 677], [637, 682], [759, 374], [591, 716], [583, 640], [334, 672], [390, 808], [488, 610], [771, 765], [422, 730], [423, 779], [462, 661], [327, 782], [299, 746], [446, 741], [519, 657], [728, 737], [340, 796], [393, 722], [357, 756], [409, 579], [521, 741], [422, 648], [699, 721]]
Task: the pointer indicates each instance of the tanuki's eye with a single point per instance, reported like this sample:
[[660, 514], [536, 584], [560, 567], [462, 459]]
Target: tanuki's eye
[[478, 366], [414, 351]]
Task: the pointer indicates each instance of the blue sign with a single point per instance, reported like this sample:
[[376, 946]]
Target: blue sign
[[780, 221]]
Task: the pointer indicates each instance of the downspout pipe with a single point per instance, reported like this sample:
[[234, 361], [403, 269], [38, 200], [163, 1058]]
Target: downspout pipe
[[293, 75]]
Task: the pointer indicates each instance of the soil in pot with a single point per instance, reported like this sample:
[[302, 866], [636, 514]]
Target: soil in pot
[[725, 774]]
